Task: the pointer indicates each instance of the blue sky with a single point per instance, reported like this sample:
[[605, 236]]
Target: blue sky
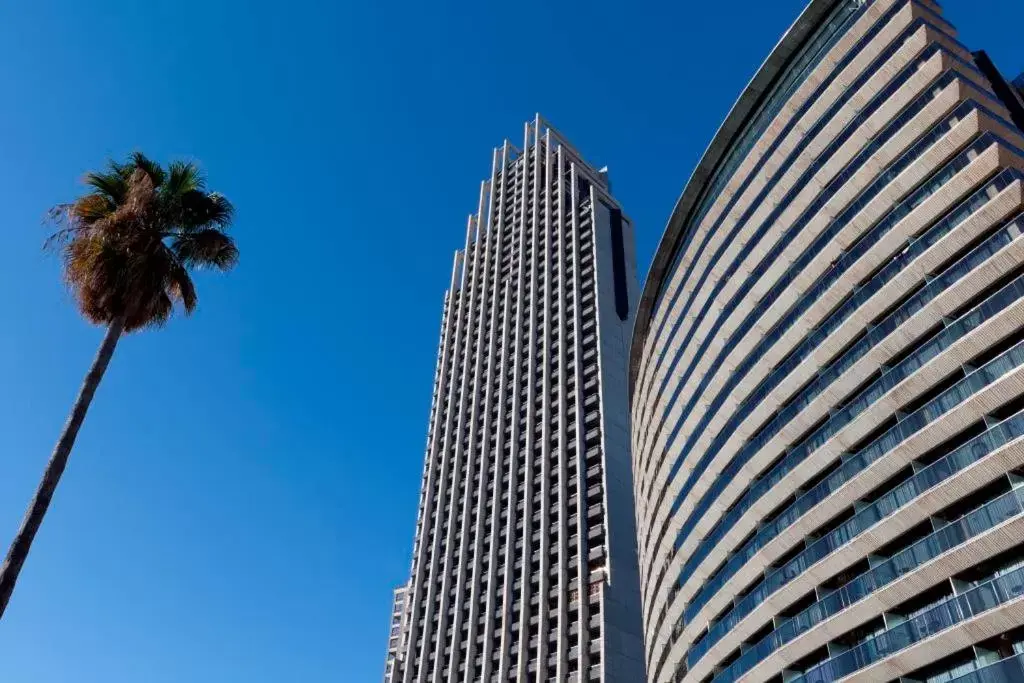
[[242, 498]]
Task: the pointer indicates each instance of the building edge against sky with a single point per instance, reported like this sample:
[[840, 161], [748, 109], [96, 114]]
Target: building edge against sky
[[827, 370], [396, 634], [524, 563]]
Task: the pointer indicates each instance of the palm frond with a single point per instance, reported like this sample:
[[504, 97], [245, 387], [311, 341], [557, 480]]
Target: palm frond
[[208, 247], [58, 239], [141, 162], [199, 210], [134, 213], [181, 287], [111, 184], [147, 301], [65, 226], [220, 211], [182, 177], [94, 269], [155, 313], [92, 207]]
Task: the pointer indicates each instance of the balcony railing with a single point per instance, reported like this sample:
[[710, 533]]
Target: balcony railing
[[957, 609]]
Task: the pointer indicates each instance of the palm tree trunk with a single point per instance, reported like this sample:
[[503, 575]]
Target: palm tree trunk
[[55, 468]]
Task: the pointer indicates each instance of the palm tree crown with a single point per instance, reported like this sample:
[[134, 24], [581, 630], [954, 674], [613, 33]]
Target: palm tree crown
[[128, 244]]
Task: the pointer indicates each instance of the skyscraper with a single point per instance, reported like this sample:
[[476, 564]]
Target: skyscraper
[[828, 371], [524, 563]]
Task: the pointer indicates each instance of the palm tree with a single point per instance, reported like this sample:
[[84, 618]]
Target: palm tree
[[127, 246]]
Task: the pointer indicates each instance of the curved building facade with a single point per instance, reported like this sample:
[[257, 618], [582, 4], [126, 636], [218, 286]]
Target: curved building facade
[[827, 370]]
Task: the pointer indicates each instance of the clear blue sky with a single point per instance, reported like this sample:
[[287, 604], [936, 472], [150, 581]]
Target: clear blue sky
[[241, 501]]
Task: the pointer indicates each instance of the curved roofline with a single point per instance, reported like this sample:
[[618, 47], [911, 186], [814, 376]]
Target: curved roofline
[[734, 125]]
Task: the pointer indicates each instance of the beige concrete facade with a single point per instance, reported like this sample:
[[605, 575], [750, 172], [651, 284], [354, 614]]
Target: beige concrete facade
[[832, 322], [524, 566]]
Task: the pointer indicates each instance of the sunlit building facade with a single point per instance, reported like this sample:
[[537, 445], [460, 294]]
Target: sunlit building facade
[[396, 636], [524, 563], [827, 371]]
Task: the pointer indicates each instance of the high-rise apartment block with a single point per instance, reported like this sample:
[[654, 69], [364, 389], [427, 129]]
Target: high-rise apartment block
[[827, 371], [524, 563]]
